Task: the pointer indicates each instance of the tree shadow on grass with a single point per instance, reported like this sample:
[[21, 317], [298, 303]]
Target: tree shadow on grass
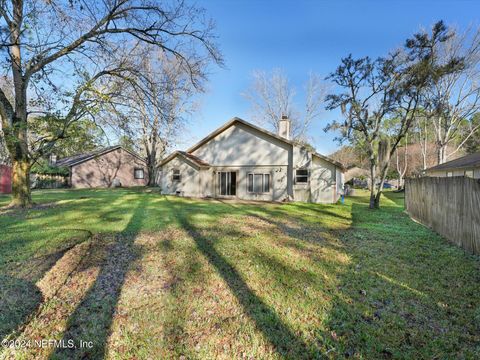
[[18, 300], [92, 319], [405, 294], [266, 320]]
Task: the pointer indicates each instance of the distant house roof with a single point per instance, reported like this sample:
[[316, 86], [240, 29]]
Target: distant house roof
[[81, 158], [467, 161], [237, 120], [189, 157]]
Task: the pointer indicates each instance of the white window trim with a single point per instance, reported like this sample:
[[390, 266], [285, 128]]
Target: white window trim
[[179, 175], [263, 188], [135, 173], [308, 177], [470, 173]]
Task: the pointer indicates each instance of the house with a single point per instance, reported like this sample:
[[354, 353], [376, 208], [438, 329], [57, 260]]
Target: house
[[243, 161], [108, 167], [468, 165]]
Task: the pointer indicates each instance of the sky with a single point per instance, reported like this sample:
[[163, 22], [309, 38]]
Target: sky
[[306, 36]]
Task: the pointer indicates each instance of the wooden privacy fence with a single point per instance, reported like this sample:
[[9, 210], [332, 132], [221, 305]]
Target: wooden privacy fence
[[448, 205]]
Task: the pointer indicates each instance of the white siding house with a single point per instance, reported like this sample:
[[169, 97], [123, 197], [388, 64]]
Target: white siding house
[[240, 160]]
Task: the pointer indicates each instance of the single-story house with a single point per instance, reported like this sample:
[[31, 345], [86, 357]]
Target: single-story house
[[109, 167], [243, 161], [468, 165]]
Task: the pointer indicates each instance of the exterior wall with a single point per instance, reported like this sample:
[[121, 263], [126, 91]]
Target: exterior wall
[[5, 179], [278, 182], [104, 169], [456, 172], [240, 145], [302, 159], [189, 184], [323, 181], [245, 150]]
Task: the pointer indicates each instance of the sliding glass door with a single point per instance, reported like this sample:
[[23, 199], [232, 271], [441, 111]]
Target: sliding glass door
[[227, 183]]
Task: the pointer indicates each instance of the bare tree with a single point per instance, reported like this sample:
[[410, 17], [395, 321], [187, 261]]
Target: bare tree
[[402, 166], [48, 42], [454, 99], [271, 95], [160, 112], [422, 131]]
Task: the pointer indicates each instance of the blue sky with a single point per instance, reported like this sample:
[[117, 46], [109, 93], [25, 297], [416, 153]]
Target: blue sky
[[304, 36]]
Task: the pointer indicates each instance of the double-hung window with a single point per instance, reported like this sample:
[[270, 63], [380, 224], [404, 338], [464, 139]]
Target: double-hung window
[[138, 173], [176, 175], [301, 176], [258, 183]]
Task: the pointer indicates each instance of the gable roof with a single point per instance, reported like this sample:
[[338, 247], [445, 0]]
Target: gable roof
[[189, 157], [467, 161], [81, 158], [237, 120]]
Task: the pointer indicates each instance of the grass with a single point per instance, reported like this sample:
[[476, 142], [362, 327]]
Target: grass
[[141, 275]]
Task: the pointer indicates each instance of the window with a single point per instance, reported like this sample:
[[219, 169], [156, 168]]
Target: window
[[176, 175], [258, 183], [301, 176], [469, 173], [449, 173], [227, 182], [138, 173]]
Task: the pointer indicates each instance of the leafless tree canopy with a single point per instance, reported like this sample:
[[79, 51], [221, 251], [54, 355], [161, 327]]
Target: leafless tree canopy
[[272, 95], [454, 99], [157, 111]]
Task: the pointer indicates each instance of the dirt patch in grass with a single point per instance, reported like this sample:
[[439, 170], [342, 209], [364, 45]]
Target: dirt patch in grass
[[16, 211]]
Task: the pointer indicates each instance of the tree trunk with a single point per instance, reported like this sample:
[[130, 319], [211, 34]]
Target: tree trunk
[[441, 153], [376, 203], [21, 195], [152, 166], [372, 200], [152, 174]]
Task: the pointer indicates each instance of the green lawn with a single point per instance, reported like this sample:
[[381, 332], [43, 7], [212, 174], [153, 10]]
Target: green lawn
[[145, 276]]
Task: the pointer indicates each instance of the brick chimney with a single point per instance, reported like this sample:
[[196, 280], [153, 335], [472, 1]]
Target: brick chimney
[[284, 126]]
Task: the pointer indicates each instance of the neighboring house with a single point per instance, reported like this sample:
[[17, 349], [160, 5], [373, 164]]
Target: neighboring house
[[468, 165], [240, 160], [109, 167], [5, 179]]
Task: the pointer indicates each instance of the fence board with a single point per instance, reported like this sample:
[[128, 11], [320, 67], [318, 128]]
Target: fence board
[[448, 205]]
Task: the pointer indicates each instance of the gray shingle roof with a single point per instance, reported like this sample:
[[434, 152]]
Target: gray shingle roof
[[467, 161], [80, 158]]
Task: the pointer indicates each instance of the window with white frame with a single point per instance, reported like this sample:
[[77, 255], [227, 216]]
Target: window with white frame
[[138, 173], [176, 175], [469, 173], [258, 183], [301, 176], [449, 173]]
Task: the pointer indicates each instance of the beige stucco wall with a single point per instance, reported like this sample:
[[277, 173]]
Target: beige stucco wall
[[102, 170], [189, 184], [457, 172]]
